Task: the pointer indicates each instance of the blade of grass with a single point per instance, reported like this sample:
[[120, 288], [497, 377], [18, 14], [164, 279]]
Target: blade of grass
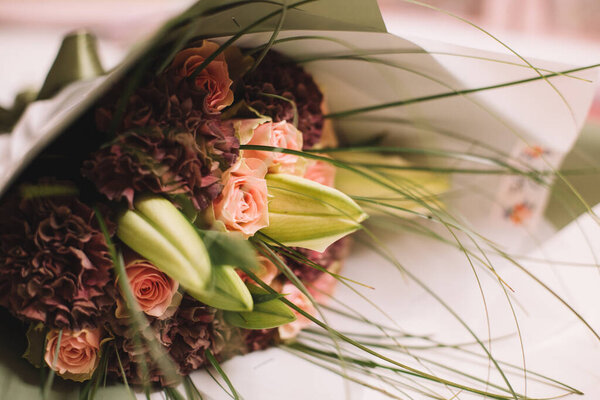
[[347, 113], [191, 390], [541, 76], [272, 39], [218, 383], [123, 372], [371, 352], [50, 379], [142, 331], [238, 35], [394, 262], [367, 53], [213, 361]]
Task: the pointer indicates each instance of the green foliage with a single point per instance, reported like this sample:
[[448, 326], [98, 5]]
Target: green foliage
[[227, 291], [269, 311], [228, 249]]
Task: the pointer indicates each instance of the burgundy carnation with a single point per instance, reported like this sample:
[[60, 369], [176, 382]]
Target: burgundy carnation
[[260, 339], [56, 267], [160, 102], [194, 328], [159, 115], [165, 161], [308, 274], [280, 76], [189, 334]]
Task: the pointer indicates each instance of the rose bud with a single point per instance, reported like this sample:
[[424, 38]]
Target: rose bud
[[277, 134], [242, 206], [418, 184], [157, 231], [269, 312], [303, 213], [154, 291], [299, 299], [213, 79], [78, 353]]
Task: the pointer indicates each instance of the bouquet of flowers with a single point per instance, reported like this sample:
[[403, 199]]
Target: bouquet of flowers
[[174, 203], [198, 206]]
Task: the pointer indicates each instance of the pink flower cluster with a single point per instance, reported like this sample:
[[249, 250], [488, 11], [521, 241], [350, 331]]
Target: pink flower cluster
[[242, 206]]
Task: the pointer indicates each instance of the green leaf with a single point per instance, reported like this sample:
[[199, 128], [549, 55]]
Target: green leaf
[[269, 312], [227, 291], [186, 206], [213, 361], [36, 339], [229, 249], [263, 298], [50, 190]]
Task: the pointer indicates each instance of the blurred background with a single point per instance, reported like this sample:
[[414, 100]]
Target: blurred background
[[573, 18], [559, 30], [31, 30]]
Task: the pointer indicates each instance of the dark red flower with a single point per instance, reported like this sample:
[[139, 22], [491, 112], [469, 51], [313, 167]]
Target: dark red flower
[[193, 328], [189, 334], [170, 162], [159, 102], [55, 264], [260, 339]]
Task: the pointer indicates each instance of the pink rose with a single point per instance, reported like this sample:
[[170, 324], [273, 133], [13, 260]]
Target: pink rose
[[153, 289], [78, 353], [321, 172], [276, 134], [242, 205], [213, 79], [293, 294]]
